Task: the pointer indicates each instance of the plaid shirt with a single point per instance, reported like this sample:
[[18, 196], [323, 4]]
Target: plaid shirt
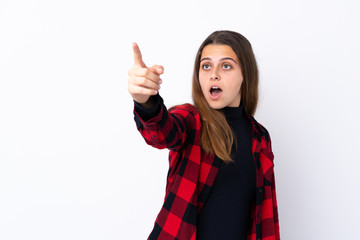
[[192, 173]]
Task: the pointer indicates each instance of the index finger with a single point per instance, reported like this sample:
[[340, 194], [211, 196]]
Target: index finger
[[137, 56]]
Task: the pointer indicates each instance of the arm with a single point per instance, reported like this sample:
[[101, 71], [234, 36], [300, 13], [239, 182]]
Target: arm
[[275, 209], [160, 128], [274, 198], [273, 190], [165, 129]]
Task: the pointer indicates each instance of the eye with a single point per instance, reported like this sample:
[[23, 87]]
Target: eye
[[206, 66], [226, 66]]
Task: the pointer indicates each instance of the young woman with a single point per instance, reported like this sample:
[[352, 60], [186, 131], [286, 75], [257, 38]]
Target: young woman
[[220, 183]]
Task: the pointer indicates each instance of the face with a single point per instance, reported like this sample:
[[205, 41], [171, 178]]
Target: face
[[220, 76]]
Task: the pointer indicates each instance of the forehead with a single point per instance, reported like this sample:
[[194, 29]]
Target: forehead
[[215, 51]]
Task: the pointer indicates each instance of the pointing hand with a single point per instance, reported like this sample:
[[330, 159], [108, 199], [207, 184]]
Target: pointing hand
[[143, 81]]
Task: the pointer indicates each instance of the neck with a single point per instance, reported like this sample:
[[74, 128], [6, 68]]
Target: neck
[[233, 112]]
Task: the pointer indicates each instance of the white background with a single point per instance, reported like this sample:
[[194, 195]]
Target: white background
[[73, 166]]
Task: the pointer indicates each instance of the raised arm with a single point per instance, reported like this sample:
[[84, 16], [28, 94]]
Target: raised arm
[[159, 127]]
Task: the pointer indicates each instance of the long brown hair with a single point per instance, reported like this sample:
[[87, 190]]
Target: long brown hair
[[217, 137]]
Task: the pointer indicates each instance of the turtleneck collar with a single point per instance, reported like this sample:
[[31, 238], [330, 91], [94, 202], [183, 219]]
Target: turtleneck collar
[[234, 112]]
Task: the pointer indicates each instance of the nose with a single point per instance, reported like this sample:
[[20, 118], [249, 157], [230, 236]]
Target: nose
[[215, 75]]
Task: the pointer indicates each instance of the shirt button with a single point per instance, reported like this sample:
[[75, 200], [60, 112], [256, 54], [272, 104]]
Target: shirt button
[[260, 189], [259, 215]]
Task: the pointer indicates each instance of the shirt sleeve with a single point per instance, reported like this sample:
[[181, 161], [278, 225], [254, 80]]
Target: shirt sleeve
[[148, 113], [165, 129]]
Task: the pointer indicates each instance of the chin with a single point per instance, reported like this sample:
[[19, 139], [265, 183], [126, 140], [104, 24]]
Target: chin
[[216, 105]]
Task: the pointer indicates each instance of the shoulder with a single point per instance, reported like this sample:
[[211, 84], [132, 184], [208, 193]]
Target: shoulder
[[184, 107], [262, 134], [185, 110], [262, 131]]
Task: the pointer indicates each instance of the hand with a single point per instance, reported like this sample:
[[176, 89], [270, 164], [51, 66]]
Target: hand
[[143, 81]]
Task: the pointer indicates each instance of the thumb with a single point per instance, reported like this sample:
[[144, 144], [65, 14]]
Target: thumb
[[158, 69], [138, 62]]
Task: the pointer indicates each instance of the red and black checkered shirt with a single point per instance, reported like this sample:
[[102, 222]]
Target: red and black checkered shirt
[[192, 173]]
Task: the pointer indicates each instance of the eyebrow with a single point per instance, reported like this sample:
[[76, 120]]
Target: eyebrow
[[222, 59]]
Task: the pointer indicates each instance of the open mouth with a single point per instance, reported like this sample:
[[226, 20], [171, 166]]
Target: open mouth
[[215, 91]]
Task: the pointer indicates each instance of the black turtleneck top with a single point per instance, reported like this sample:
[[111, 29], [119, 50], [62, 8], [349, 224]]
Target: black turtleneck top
[[226, 213]]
